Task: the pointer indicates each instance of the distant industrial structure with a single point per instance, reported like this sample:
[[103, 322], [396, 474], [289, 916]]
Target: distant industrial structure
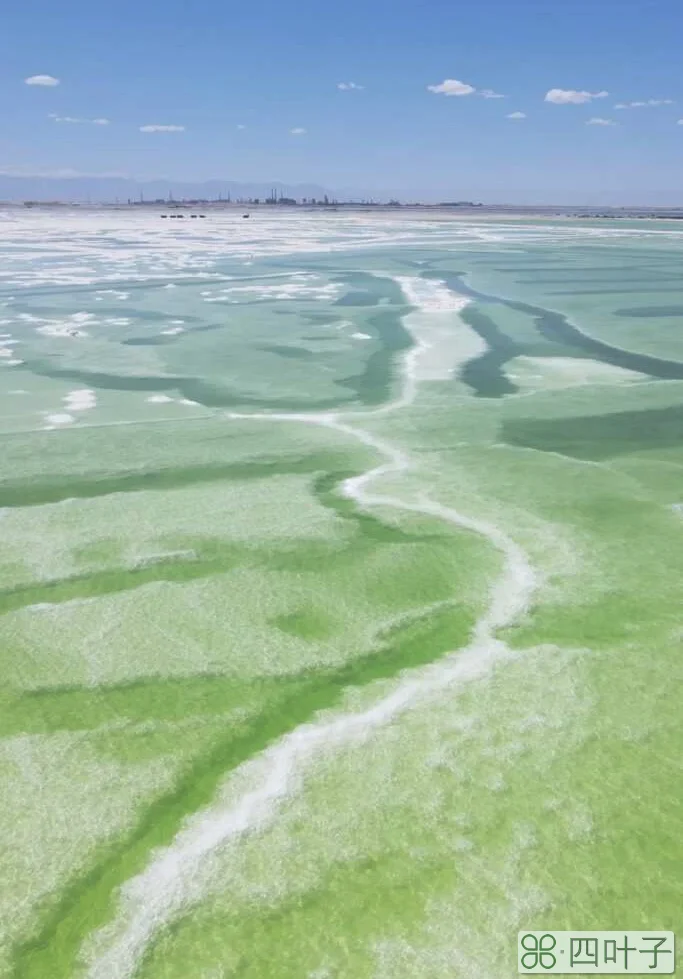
[[276, 198]]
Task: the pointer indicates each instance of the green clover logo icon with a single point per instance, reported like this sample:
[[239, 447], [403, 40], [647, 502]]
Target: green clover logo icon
[[538, 951]]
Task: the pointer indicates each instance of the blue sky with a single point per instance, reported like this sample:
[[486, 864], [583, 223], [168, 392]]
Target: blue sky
[[273, 67]]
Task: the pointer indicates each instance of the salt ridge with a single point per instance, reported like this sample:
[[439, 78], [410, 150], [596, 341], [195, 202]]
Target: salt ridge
[[160, 892]]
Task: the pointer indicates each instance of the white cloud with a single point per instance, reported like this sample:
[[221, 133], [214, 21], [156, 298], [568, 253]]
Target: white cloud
[[680, 122], [451, 86], [597, 121], [516, 115], [639, 105], [568, 96], [47, 81], [162, 129], [73, 119], [241, 126], [349, 86], [297, 131]]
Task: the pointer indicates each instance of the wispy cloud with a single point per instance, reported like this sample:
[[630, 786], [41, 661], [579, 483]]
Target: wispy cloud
[[646, 103], [349, 86], [680, 122], [162, 129], [516, 115], [298, 131], [75, 120], [47, 81], [241, 126], [569, 96], [598, 121], [451, 86]]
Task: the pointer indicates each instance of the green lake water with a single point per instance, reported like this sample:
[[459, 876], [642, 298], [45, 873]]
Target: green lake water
[[264, 716]]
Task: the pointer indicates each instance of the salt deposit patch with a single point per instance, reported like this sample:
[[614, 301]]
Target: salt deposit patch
[[562, 372], [80, 400], [61, 330], [69, 326], [113, 292], [301, 288], [431, 296], [72, 254], [74, 324]]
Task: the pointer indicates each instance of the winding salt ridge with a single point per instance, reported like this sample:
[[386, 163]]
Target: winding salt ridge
[[170, 883]]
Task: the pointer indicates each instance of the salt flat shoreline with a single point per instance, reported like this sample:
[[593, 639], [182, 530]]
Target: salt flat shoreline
[[457, 212]]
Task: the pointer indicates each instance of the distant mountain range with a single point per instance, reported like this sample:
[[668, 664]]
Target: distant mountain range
[[95, 189]]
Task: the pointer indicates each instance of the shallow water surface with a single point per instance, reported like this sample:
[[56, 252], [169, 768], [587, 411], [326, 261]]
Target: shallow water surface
[[339, 591]]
